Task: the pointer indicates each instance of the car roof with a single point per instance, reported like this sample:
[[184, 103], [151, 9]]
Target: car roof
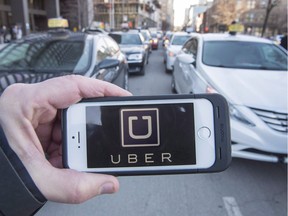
[[229, 37], [59, 35], [180, 33], [125, 32]]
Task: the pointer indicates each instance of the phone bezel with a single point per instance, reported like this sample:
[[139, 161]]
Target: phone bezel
[[76, 122]]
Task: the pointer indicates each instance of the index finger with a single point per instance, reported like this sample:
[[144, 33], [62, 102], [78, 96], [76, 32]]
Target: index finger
[[64, 91]]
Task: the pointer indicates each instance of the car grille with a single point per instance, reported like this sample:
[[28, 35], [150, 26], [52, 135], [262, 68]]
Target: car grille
[[275, 120]]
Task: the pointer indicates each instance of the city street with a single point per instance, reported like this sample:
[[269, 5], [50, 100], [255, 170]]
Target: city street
[[245, 188]]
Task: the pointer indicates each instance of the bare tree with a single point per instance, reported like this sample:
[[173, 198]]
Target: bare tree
[[227, 11], [270, 5]]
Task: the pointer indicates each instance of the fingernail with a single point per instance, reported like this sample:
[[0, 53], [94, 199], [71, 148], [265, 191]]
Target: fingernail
[[107, 188]]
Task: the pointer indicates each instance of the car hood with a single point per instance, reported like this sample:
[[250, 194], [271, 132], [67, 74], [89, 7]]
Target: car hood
[[262, 89], [131, 48]]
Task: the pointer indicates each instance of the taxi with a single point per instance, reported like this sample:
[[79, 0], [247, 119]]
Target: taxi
[[59, 52], [251, 73]]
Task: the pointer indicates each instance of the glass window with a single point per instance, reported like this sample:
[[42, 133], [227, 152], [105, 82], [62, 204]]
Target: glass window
[[191, 47], [127, 38], [179, 40], [244, 55], [113, 46], [102, 50], [47, 55]]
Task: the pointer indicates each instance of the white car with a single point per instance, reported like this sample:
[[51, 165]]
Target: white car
[[174, 46], [251, 73]]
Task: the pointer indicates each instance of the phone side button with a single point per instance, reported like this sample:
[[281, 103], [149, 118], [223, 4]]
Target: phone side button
[[204, 133]]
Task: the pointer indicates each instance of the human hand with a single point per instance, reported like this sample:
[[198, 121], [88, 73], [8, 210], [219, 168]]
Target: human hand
[[30, 118]]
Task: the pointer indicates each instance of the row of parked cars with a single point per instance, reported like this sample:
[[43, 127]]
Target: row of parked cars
[[93, 53], [251, 73]]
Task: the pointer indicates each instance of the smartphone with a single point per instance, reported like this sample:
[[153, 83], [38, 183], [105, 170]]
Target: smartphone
[[147, 135]]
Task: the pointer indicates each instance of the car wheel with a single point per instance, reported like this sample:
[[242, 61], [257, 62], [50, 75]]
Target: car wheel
[[167, 70], [143, 70], [173, 88]]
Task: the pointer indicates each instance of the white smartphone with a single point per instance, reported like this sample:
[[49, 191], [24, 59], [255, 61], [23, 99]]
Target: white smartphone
[[147, 135]]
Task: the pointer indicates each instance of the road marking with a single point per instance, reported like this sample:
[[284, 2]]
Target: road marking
[[231, 206]]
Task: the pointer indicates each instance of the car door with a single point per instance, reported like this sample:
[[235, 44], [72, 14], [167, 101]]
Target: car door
[[194, 80], [184, 62]]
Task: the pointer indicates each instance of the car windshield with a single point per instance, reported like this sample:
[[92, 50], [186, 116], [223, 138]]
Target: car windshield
[[131, 39], [153, 35], [47, 55], [244, 55], [179, 40]]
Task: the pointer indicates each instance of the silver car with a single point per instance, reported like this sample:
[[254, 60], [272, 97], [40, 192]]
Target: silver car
[[252, 74], [173, 47]]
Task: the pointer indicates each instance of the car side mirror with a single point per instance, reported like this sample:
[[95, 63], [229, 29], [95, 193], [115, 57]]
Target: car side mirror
[[187, 58], [108, 63]]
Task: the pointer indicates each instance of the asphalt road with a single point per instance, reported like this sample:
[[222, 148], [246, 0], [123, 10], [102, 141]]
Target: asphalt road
[[245, 188]]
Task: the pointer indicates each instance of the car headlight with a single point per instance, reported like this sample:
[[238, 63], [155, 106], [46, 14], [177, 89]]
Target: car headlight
[[237, 115], [137, 56]]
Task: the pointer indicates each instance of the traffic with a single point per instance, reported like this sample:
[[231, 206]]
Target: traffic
[[241, 68]]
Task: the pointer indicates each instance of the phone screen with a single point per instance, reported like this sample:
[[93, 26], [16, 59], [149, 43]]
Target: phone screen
[[140, 135]]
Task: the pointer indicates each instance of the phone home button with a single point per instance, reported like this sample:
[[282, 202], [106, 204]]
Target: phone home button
[[204, 133]]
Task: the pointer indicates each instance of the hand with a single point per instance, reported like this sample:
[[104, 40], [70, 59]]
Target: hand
[[30, 118]]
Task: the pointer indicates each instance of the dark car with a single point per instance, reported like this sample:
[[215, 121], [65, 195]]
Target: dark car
[[55, 53], [155, 41], [136, 51]]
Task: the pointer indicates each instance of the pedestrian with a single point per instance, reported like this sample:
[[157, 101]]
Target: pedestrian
[[13, 32], [18, 32], [31, 167]]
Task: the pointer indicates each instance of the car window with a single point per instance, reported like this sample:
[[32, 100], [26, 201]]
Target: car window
[[102, 50], [179, 39], [153, 35], [113, 46], [133, 39], [273, 54], [244, 55], [47, 55], [190, 47]]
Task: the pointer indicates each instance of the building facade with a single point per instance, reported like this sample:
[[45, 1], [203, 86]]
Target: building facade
[[167, 15], [29, 15], [135, 13], [251, 13]]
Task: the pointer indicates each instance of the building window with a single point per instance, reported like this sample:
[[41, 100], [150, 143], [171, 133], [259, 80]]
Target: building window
[[251, 4]]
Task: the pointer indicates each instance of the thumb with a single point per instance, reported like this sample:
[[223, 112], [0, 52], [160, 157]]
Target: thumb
[[70, 186]]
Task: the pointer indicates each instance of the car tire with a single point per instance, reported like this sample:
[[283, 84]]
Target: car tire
[[143, 70], [168, 70], [173, 88]]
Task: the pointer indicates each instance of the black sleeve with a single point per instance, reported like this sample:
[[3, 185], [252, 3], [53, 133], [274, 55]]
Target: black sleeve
[[19, 195]]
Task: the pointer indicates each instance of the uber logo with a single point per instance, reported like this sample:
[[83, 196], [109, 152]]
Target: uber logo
[[140, 127]]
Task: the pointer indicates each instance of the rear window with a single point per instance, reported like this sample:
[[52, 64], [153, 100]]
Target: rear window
[[133, 39], [47, 55]]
